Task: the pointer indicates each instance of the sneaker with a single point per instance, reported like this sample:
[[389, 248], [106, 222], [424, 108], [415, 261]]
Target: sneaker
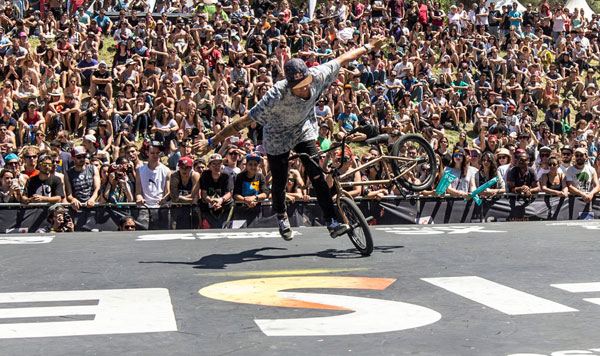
[[284, 228], [336, 229]]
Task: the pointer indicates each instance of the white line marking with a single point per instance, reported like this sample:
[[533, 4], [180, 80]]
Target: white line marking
[[25, 240], [578, 287], [497, 296], [119, 311], [212, 235], [370, 316]]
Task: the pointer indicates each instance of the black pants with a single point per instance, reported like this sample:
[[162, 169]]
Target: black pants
[[278, 164]]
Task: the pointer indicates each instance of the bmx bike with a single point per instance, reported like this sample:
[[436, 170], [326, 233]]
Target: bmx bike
[[411, 165]]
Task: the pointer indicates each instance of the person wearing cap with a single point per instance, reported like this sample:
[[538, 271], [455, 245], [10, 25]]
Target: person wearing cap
[[101, 80], [250, 185], [287, 115], [582, 178], [185, 182], [152, 183], [82, 181], [215, 192]]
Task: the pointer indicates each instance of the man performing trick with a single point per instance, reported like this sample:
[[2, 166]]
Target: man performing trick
[[287, 114]]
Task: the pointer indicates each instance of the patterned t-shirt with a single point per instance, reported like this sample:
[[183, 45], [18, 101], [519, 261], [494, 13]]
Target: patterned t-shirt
[[288, 119]]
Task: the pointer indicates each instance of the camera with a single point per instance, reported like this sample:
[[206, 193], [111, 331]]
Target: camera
[[67, 218], [120, 175], [194, 134]]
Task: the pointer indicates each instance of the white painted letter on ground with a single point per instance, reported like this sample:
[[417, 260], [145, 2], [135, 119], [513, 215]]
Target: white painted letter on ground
[[118, 311]]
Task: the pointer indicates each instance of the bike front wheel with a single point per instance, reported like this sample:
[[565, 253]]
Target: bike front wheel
[[359, 232], [417, 169]]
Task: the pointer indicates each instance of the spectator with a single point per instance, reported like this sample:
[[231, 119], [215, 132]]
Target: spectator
[[10, 190], [554, 181], [117, 190], [185, 182], [82, 181], [465, 179], [522, 179], [582, 178], [152, 180], [250, 186], [44, 187], [215, 191], [30, 157]]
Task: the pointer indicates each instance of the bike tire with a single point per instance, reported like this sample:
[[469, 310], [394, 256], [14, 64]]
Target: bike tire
[[359, 233], [427, 155]]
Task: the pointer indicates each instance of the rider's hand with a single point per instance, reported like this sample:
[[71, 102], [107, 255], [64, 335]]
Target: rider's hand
[[201, 147], [377, 42]]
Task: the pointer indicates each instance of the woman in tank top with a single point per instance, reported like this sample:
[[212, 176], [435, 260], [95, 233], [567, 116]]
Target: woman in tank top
[[554, 182]]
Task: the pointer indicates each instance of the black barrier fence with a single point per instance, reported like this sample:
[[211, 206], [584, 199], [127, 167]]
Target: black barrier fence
[[390, 211]]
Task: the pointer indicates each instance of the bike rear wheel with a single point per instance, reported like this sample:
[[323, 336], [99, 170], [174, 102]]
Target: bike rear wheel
[[359, 232], [418, 171]]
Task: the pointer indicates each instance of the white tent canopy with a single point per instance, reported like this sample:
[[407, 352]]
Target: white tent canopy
[[500, 3], [580, 4]]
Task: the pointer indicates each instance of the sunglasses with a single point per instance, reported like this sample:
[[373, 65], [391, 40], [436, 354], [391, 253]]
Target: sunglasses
[[578, 155], [523, 160], [544, 155], [291, 180], [80, 156], [552, 164], [458, 155], [11, 164], [567, 154], [129, 227], [474, 155], [31, 157], [45, 164], [502, 157]]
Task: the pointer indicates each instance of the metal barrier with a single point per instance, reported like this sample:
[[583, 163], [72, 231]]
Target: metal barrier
[[391, 210]]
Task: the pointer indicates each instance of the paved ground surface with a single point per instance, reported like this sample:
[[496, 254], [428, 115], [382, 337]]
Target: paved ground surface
[[493, 289]]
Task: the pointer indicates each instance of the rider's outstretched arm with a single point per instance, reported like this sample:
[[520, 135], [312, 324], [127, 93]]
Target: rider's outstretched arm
[[203, 146], [232, 129], [374, 45]]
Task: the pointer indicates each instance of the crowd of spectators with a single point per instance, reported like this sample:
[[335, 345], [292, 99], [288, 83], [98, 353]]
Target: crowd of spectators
[[86, 119]]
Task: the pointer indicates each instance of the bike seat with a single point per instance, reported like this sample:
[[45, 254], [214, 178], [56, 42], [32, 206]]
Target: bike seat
[[378, 140]]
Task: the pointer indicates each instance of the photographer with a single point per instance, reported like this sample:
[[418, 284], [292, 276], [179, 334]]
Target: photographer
[[117, 190], [59, 220]]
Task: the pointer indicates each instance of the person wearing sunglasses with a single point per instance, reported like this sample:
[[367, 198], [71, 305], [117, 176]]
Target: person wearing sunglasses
[[541, 165], [582, 179], [554, 182], [522, 179], [82, 181], [127, 223], [465, 177], [44, 187], [488, 171]]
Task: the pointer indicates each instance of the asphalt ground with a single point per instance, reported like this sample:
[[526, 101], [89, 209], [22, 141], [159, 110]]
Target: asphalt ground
[[477, 289]]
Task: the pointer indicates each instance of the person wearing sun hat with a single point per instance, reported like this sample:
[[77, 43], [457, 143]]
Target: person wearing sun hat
[[287, 114]]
